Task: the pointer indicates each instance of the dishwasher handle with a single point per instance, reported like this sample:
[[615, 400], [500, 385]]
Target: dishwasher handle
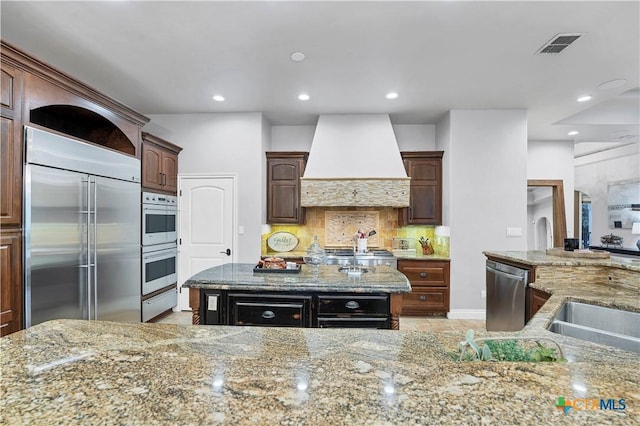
[[516, 277]]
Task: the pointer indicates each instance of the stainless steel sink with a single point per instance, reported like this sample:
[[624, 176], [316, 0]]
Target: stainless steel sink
[[597, 324], [353, 269]]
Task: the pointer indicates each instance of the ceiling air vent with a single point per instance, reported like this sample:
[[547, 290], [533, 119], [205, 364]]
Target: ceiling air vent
[[559, 42]]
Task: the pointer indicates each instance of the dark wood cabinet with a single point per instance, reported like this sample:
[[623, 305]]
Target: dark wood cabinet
[[11, 146], [536, 298], [429, 286], [10, 281], [284, 170], [159, 164], [425, 170]]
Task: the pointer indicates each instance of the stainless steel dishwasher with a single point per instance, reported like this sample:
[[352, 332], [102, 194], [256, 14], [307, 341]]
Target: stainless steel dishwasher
[[506, 290]]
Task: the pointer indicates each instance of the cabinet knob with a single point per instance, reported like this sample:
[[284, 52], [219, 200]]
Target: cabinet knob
[[352, 304], [423, 275], [268, 315], [423, 298]]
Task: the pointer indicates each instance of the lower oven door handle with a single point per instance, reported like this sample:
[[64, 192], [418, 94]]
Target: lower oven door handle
[[160, 256]]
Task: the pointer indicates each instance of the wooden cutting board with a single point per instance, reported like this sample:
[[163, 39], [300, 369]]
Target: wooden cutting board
[[583, 254]]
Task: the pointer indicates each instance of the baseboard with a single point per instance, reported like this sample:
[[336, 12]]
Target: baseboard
[[475, 314]]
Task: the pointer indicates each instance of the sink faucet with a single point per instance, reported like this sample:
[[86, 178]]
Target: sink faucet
[[355, 244]]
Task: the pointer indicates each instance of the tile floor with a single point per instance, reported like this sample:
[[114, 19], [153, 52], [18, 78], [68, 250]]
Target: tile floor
[[406, 323]]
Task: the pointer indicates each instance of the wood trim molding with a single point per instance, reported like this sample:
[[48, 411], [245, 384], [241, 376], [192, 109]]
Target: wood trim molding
[[24, 61], [149, 138], [421, 154], [559, 214]]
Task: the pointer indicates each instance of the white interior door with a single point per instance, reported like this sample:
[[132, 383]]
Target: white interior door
[[207, 226]]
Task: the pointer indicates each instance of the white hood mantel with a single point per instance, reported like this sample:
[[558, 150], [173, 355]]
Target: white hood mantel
[[354, 161]]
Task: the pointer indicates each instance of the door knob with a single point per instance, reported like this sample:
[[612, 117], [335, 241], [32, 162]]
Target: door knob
[[227, 252]]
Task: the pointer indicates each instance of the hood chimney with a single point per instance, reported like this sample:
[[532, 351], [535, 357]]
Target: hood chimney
[[354, 161]]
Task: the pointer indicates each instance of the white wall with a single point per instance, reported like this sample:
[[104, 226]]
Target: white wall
[[540, 206], [554, 160], [487, 165], [223, 143], [443, 143], [593, 173], [266, 146], [410, 137], [415, 137], [292, 138]]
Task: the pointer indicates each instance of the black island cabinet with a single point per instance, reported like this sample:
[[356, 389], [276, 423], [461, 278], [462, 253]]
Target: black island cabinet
[[233, 294]]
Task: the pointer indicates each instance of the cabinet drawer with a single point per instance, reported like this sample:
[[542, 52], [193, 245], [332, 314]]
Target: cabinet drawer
[[425, 273], [353, 304], [355, 322], [273, 311], [423, 300]]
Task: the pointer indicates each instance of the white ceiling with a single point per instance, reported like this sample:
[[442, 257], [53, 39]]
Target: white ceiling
[[171, 57]]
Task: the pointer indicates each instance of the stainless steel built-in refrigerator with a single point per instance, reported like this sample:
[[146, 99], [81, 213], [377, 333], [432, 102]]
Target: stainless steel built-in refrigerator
[[82, 231]]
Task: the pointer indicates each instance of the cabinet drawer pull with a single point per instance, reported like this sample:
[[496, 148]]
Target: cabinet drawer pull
[[352, 304], [423, 298], [268, 315], [423, 275]]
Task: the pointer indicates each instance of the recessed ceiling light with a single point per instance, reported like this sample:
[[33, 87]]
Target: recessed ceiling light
[[297, 56], [392, 95], [584, 98], [612, 84], [218, 98], [573, 133], [304, 97]]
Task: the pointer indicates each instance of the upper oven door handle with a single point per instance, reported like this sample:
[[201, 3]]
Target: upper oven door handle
[[165, 254]]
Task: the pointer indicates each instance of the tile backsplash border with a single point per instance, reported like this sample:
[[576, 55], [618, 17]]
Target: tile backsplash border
[[388, 229]]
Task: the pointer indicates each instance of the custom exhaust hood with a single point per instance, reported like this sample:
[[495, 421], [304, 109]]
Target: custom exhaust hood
[[354, 161]]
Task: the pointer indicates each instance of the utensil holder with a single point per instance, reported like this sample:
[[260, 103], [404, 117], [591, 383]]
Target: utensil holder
[[427, 249], [362, 245]]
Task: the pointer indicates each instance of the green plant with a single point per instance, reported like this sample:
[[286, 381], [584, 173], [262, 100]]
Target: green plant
[[507, 349]]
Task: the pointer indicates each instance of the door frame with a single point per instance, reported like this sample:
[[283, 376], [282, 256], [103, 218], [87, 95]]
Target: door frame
[[234, 217], [559, 215]]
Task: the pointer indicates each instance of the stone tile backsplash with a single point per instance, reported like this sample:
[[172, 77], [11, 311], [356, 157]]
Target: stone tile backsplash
[[388, 229]]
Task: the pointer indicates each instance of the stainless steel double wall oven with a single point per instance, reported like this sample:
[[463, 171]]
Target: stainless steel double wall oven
[[159, 253]]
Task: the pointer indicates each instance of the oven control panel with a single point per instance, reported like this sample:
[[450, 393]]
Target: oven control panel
[[161, 199]]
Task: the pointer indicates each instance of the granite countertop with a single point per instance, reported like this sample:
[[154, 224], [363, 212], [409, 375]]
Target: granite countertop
[[538, 257], [300, 254], [326, 278], [94, 372]]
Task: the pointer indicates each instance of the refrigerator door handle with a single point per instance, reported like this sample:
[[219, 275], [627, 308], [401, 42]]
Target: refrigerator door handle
[[94, 282], [87, 247]]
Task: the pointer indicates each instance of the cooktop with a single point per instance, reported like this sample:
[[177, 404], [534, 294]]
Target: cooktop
[[349, 252]]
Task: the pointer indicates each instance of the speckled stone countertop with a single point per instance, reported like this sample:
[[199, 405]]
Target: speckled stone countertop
[[81, 372], [326, 278], [300, 254], [537, 257]]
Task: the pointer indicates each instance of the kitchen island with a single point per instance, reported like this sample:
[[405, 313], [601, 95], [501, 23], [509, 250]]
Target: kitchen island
[[322, 296]]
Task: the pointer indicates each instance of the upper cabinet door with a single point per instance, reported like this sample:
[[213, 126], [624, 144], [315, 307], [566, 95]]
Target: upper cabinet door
[[11, 82], [151, 167], [425, 170], [170, 171], [284, 170], [159, 164]]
